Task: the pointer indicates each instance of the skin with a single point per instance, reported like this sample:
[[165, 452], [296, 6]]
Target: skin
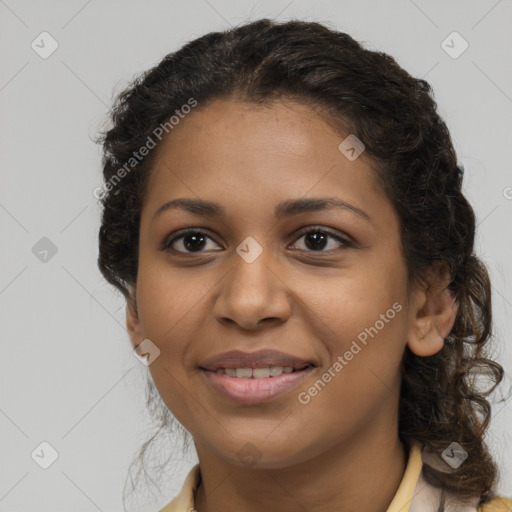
[[340, 451]]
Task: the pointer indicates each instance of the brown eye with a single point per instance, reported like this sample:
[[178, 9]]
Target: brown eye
[[197, 241], [192, 240], [317, 239]]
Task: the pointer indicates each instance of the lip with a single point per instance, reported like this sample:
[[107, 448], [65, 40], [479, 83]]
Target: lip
[[260, 359], [250, 391]]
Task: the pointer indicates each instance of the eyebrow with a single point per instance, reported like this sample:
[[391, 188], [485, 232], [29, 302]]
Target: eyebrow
[[284, 209]]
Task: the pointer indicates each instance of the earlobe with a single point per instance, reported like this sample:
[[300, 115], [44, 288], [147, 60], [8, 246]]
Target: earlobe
[[133, 325], [433, 319]]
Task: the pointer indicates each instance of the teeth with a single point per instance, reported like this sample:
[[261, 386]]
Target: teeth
[[257, 373], [278, 370], [262, 373], [244, 373]]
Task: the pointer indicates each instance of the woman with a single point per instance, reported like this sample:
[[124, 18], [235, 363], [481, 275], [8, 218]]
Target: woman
[[282, 210]]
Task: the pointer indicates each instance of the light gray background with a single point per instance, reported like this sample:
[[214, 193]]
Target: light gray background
[[67, 373]]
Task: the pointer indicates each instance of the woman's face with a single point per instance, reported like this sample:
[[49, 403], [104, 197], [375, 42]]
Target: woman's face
[[326, 285]]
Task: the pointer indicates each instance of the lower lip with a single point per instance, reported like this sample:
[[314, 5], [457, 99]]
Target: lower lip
[[255, 391]]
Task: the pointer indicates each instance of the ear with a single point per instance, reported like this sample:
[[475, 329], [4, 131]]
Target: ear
[[133, 324], [433, 313]]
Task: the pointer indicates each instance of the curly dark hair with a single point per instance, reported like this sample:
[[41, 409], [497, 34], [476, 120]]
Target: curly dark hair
[[366, 93]]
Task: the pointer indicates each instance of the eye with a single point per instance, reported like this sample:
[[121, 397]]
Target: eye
[[195, 240], [192, 240], [317, 238]]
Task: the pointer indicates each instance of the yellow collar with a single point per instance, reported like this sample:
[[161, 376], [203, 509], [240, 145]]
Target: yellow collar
[[184, 500], [414, 494]]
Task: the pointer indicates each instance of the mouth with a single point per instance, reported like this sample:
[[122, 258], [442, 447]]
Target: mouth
[[251, 386], [262, 359], [258, 373], [250, 378]]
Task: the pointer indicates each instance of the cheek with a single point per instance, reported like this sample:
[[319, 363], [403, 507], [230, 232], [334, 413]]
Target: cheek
[[169, 301], [354, 301], [362, 321], [365, 335], [361, 378], [171, 313]]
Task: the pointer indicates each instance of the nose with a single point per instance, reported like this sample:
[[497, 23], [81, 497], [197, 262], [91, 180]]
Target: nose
[[253, 295]]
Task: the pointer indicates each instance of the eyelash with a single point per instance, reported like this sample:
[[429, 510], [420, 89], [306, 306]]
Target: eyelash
[[312, 229]]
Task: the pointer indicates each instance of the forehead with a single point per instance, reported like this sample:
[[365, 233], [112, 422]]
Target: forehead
[[237, 128], [259, 154]]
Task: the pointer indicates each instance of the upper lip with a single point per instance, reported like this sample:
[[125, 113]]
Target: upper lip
[[259, 359]]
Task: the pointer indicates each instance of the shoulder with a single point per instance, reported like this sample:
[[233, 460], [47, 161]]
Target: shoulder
[[429, 497], [184, 500], [497, 504]]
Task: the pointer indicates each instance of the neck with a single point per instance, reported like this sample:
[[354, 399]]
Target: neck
[[359, 475]]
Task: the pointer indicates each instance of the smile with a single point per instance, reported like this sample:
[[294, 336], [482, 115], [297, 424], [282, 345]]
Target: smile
[[255, 385]]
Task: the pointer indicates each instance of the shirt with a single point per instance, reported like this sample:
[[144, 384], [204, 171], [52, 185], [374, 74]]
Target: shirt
[[414, 494]]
